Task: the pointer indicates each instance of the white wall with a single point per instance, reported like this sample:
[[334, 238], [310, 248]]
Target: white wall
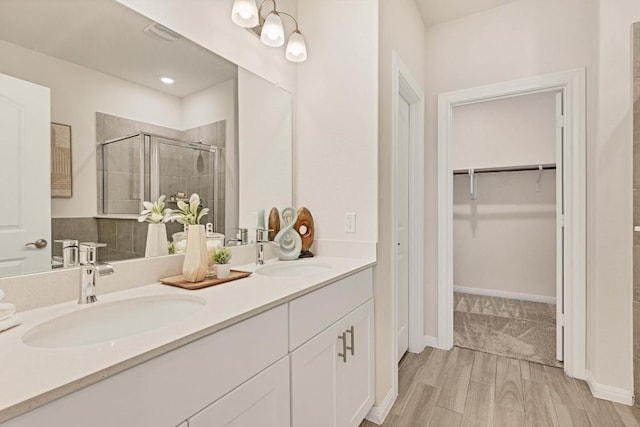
[[208, 23], [521, 39], [212, 105], [609, 274], [505, 240], [527, 38], [513, 131], [337, 113], [264, 151], [402, 31], [77, 93]]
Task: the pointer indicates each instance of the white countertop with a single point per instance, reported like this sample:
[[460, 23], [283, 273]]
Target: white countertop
[[31, 377]]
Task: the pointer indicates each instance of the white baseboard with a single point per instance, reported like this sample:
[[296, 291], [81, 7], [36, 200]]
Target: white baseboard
[[379, 413], [505, 294], [430, 341], [607, 392]]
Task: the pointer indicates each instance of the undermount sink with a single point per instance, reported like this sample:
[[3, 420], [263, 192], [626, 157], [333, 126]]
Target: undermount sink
[[292, 269], [110, 321]]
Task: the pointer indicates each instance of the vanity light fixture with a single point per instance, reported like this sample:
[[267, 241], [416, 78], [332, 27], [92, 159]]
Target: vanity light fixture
[[166, 80], [246, 14]]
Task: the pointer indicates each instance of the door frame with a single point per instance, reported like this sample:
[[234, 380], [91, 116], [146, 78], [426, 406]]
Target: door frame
[[573, 85], [404, 85]]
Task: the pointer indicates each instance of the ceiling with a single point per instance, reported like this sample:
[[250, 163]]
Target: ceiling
[[437, 11], [108, 37]]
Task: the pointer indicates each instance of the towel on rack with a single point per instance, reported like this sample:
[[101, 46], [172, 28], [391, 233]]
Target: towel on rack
[[10, 322], [1, 295], [6, 310]]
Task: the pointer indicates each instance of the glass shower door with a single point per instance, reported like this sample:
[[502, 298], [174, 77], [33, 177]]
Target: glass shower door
[[184, 169], [124, 169]]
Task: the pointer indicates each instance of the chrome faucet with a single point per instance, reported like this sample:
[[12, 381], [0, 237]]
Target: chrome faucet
[[241, 238], [90, 270], [69, 253], [262, 237]]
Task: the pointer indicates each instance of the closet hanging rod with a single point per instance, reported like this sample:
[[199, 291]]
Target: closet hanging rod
[[506, 169]]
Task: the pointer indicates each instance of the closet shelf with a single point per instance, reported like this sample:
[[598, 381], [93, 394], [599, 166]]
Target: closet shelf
[[506, 169]]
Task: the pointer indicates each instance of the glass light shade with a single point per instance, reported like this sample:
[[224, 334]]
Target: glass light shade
[[272, 31], [296, 48], [245, 13]]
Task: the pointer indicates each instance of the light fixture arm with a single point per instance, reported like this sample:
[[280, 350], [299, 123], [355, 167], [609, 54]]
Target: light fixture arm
[[275, 7], [294, 20], [275, 10]]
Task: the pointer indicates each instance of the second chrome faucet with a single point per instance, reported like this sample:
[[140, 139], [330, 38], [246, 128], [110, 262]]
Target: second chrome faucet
[[90, 269], [262, 237]]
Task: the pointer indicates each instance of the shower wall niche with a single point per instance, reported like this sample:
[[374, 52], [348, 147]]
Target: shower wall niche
[[144, 165]]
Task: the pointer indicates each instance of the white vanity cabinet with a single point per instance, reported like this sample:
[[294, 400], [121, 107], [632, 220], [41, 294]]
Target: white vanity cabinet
[[332, 373], [262, 401], [167, 390], [308, 362]]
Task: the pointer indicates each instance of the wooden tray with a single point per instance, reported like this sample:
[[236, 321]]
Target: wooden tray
[[180, 282]]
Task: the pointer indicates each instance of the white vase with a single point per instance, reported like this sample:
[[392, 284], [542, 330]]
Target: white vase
[[196, 256], [223, 271], [156, 241]]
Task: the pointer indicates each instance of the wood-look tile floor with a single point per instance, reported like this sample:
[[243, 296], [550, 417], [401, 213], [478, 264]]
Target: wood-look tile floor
[[464, 387]]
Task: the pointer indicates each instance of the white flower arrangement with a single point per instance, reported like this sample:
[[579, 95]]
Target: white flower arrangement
[[189, 213], [155, 213]]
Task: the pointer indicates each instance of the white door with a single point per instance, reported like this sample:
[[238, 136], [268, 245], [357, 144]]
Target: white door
[[261, 401], [401, 189], [355, 377], [313, 381], [560, 218], [25, 215]]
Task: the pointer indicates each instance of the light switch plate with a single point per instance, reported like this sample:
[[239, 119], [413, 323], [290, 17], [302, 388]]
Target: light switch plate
[[350, 222]]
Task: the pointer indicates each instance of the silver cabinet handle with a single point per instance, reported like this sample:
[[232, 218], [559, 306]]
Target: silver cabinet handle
[[352, 347], [343, 337], [39, 244]]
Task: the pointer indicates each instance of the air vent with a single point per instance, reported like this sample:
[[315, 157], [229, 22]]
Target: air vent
[[160, 32]]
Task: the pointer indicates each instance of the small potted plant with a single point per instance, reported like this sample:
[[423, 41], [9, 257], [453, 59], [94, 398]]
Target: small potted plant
[[196, 256], [156, 216], [221, 257]]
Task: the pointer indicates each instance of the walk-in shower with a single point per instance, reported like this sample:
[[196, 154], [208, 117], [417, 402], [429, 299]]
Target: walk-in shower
[[144, 166]]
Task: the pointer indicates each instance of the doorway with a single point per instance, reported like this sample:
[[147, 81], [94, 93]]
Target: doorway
[[407, 214], [506, 213], [571, 84]]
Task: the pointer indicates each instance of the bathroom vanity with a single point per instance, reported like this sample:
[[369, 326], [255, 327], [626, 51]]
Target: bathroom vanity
[[282, 347]]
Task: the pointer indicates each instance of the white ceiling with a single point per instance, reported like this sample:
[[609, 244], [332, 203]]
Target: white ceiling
[[437, 11], [108, 37]]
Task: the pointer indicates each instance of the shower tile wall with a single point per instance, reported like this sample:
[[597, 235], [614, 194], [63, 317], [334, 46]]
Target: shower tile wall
[[122, 169], [191, 171], [636, 209], [125, 238], [80, 229]]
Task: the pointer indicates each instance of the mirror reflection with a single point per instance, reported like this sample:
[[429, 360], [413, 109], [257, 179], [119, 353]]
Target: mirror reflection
[[102, 109]]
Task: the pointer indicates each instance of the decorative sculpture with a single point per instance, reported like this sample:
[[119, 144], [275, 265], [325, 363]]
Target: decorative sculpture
[[288, 242], [304, 226]]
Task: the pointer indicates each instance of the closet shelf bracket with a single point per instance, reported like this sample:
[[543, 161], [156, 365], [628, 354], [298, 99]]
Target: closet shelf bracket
[[539, 178], [472, 185]]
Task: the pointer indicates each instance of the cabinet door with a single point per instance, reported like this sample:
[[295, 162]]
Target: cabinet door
[[313, 381], [261, 401], [355, 378]]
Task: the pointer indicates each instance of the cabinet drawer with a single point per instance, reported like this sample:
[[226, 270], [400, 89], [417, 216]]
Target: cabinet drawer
[[312, 313], [262, 401]]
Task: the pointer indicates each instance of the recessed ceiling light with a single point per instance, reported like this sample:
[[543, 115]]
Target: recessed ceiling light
[[166, 80]]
